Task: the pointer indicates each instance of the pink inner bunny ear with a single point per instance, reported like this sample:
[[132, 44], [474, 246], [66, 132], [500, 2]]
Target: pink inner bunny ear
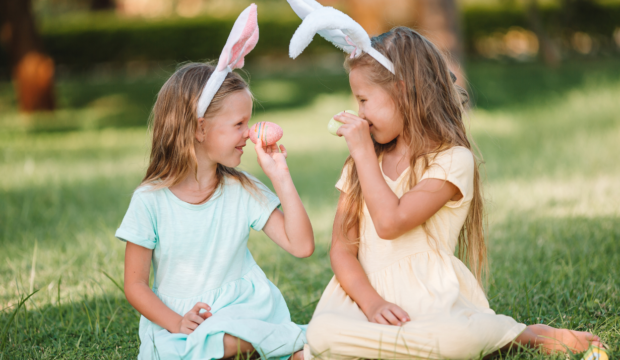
[[249, 45], [242, 39]]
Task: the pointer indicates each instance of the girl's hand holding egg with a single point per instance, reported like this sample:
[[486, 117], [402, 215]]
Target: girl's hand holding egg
[[333, 125], [355, 130], [271, 157]]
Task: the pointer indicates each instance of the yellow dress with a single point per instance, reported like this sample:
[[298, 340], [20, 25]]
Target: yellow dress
[[450, 315]]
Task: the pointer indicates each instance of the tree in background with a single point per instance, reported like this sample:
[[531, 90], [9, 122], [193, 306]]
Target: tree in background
[[438, 20], [99, 5], [368, 13], [549, 50], [32, 69]]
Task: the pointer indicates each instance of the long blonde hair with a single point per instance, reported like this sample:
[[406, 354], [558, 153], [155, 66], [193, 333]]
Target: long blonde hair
[[173, 123], [432, 109]]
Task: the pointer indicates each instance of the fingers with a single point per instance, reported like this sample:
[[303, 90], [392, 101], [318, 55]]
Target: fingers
[[271, 149], [205, 315], [345, 117], [188, 326], [390, 317], [339, 131], [400, 314], [389, 314], [265, 149], [195, 319], [259, 147], [283, 151], [379, 319], [198, 306]]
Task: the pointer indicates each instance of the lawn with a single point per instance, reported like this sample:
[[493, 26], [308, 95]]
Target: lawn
[[550, 139]]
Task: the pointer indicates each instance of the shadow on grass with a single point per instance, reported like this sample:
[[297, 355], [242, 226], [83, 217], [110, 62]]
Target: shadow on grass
[[101, 327], [497, 85]]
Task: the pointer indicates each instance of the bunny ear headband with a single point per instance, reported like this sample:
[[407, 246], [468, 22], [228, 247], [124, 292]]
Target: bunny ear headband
[[336, 27], [242, 39]]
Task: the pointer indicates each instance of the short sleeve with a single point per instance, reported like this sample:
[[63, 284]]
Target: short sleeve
[[343, 182], [455, 165], [138, 225], [261, 205]]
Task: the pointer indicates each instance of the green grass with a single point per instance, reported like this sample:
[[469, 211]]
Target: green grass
[[549, 138]]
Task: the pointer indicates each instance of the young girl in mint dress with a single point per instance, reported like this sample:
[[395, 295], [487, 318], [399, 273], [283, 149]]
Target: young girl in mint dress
[[192, 215]]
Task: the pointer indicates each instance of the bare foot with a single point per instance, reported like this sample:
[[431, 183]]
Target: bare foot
[[553, 340]]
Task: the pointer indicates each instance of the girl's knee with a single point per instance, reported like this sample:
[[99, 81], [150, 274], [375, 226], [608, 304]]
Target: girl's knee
[[322, 332]]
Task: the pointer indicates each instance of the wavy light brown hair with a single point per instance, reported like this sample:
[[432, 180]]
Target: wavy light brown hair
[[173, 123], [432, 108]]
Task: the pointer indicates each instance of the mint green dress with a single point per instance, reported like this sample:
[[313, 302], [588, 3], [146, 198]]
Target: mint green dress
[[200, 254]]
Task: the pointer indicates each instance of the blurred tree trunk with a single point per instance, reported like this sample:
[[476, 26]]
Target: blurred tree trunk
[[98, 5], [370, 14], [440, 22], [550, 53], [32, 69]]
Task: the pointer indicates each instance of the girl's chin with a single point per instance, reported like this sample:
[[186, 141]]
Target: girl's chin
[[232, 161], [382, 138]]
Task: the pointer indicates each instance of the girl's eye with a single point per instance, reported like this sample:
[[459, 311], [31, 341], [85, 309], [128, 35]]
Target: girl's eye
[[239, 123], [363, 100]]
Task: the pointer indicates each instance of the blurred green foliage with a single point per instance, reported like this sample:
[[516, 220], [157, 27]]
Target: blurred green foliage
[[86, 39]]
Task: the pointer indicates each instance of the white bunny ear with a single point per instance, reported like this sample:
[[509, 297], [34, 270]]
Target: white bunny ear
[[242, 39], [304, 7], [331, 23], [336, 27]]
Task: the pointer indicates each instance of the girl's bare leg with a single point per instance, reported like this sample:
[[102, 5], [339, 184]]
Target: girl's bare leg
[[234, 345], [299, 355], [552, 340]]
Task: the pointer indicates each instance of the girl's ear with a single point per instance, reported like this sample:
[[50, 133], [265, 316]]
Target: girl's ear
[[201, 131]]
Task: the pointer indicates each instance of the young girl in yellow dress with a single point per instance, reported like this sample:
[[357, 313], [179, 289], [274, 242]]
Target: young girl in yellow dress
[[410, 195]]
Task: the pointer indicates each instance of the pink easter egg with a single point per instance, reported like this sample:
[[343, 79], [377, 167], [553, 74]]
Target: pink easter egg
[[269, 132]]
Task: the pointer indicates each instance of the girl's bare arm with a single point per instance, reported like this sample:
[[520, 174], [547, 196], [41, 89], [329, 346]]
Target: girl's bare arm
[[353, 279], [390, 215], [143, 299], [290, 229]]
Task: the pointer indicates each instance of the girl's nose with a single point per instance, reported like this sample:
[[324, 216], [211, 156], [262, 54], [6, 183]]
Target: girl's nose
[[246, 132]]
